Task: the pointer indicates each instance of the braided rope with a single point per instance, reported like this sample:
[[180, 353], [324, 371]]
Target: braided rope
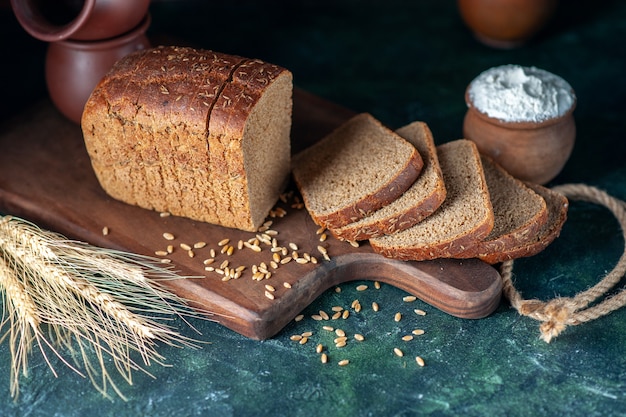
[[555, 315]]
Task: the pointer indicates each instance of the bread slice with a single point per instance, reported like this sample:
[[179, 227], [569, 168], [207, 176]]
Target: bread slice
[[465, 217], [419, 201], [355, 170], [519, 213], [557, 205]]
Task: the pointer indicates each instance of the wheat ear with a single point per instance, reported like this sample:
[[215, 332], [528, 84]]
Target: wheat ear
[[94, 300]]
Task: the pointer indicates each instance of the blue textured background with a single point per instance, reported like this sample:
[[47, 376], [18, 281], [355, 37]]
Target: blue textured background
[[400, 61]]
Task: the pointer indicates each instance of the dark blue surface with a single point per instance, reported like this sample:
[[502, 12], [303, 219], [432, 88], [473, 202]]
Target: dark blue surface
[[401, 61]]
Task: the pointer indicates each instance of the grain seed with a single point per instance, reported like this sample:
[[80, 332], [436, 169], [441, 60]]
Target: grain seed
[[340, 344], [345, 314], [340, 333], [324, 358], [293, 246], [324, 315], [286, 285], [269, 295], [317, 317], [185, 246], [319, 348], [199, 245], [223, 242], [398, 352], [409, 298], [307, 334], [105, 231], [328, 328], [420, 361], [375, 306], [397, 317], [418, 332], [161, 253], [168, 236], [419, 312], [359, 337], [303, 340], [362, 287], [343, 362], [270, 288], [298, 318], [377, 285], [407, 338], [337, 308]]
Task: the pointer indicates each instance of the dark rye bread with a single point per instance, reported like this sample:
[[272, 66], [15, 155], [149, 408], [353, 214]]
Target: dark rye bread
[[466, 215], [519, 213], [557, 205], [147, 130], [355, 170], [419, 201]]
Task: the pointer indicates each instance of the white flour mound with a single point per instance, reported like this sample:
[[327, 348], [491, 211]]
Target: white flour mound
[[513, 93]]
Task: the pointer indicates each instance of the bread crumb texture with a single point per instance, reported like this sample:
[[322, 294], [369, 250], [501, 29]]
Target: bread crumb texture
[[357, 169], [195, 133]]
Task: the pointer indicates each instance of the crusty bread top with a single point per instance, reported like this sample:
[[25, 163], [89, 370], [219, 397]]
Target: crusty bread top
[[519, 212], [465, 217], [355, 170], [418, 202], [557, 205]]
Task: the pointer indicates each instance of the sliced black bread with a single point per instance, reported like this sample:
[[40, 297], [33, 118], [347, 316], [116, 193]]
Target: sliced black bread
[[519, 213], [355, 170], [424, 197], [465, 217], [557, 205]]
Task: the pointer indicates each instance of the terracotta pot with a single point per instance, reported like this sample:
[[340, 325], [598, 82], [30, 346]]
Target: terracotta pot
[[531, 151], [55, 20], [506, 23], [74, 68]]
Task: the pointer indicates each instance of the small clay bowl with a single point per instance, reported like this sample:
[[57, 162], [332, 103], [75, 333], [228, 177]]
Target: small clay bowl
[[505, 23], [530, 151]]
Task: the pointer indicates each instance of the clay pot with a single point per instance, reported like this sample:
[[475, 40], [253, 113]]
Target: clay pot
[[531, 151], [506, 23], [55, 20], [74, 68]]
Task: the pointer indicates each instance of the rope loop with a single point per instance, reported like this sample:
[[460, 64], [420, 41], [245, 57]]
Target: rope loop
[[559, 313]]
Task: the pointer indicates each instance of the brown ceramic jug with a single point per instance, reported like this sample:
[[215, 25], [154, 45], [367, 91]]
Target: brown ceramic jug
[[74, 68], [55, 20]]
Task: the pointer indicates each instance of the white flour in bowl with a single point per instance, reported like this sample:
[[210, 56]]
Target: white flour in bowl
[[513, 93]]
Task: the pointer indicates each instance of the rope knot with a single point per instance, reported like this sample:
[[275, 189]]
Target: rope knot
[[558, 313]]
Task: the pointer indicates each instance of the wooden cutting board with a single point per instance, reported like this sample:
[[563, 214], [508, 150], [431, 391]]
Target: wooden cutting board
[[46, 177]]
